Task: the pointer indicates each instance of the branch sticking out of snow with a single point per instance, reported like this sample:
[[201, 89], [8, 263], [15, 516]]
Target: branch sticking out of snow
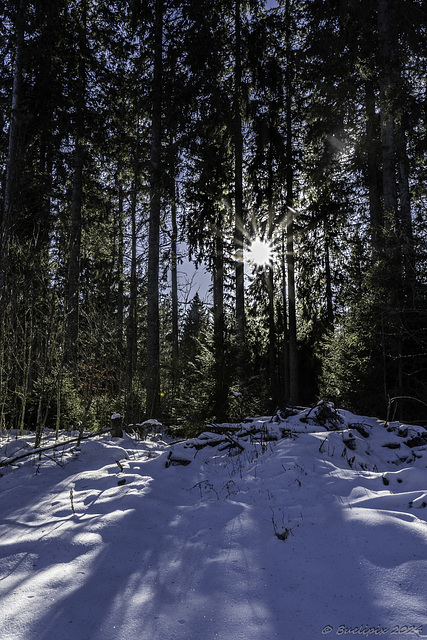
[[39, 450]]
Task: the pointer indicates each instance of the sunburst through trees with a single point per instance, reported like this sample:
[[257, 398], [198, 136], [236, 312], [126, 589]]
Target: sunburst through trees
[[260, 252]]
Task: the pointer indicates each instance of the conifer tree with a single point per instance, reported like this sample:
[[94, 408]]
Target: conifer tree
[[153, 341], [15, 150], [80, 19]]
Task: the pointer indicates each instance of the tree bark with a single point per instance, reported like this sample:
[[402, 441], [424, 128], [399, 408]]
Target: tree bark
[[174, 278], [120, 282], [72, 327], [394, 268], [132, 324], [238, 195], [153, 339], [387, 126], [285, 349], [328, 283], [221, 390], [408, 247], [74, 257], [269, 278], [373, 168], [293, 351]]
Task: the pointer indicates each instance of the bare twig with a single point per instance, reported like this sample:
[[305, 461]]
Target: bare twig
[[72, 500], [394, 400]]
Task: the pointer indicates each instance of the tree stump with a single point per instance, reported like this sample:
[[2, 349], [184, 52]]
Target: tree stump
[[116, 426]]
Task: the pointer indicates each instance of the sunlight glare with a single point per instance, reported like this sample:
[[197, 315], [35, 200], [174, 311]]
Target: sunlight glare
[[260, 252]]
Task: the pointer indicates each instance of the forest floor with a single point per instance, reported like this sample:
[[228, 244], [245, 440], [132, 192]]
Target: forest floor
[[307, 525]]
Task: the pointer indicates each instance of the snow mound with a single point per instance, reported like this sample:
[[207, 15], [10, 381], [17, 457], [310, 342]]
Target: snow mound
[[299, 525]]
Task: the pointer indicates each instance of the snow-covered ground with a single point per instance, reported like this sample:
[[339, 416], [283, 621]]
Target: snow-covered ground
[[282, 528]]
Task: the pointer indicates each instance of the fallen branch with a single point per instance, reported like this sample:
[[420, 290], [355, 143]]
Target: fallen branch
[[234, 442], [39, 450]]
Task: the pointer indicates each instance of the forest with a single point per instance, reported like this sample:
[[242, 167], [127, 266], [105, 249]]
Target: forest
[[280, 146]]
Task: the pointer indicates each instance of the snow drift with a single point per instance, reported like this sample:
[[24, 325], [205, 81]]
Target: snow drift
[[304, 525]]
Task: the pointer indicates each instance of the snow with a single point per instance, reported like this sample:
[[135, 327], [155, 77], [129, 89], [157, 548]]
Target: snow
[[305, 525]]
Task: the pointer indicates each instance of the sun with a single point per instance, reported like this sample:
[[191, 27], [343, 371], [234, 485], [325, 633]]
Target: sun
[[260, 252]]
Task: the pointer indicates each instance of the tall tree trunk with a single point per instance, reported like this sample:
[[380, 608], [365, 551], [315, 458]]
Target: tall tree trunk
[[269, 278], [153, 340], [72, 326], [386, 57], [238, 194], [394, 273], [120, 282], [14, 150], [174, 278], [221, 389], [132, 324], [328, 284], [373, 168], [74, 257], [408, 248], [293, 351], [285, 352]]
